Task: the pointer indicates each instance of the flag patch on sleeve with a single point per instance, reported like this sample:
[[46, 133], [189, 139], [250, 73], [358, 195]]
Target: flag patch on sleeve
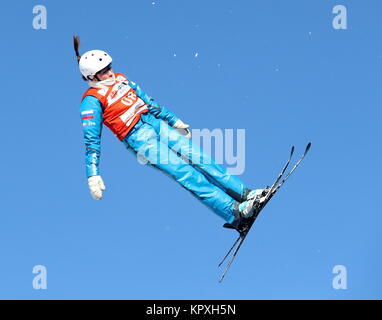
[[87, 115]]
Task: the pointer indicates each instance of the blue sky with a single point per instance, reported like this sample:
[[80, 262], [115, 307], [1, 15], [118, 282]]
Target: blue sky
[[277, 69]]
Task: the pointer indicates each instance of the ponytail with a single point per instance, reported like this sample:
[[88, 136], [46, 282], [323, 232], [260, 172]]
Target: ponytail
[[76, 43]]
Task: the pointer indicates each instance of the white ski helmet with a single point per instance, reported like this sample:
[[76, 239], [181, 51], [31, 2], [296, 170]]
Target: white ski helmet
[[93, 61]]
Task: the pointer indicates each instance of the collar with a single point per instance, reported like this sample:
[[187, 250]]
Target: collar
[[102, 84]]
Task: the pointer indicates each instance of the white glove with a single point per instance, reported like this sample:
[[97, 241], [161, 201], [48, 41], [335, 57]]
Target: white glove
[[96, 186], [183, 128]]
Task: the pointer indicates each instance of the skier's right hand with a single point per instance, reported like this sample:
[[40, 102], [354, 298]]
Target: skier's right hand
[[96, 186], [183, 128]]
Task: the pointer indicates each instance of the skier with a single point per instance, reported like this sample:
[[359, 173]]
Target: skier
[[157, 136]]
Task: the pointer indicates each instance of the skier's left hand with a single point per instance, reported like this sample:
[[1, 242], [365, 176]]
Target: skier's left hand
[[183, 128]]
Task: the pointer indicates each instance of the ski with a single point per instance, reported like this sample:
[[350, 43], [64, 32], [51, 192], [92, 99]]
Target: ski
[[273, 185], [273, 189]]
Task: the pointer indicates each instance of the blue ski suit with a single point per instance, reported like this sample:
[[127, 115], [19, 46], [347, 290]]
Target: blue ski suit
[[157, 143]]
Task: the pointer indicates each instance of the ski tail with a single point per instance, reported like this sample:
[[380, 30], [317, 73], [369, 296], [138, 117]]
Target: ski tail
[[240, 241], [229, 251]]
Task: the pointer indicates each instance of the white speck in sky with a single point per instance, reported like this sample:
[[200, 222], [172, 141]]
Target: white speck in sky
[[277, 69], [196, 55], [310, 33], [174, 54], [153, 3]]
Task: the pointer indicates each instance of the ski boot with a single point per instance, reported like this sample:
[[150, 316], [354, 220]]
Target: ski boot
[[244, 211], [257, 192]]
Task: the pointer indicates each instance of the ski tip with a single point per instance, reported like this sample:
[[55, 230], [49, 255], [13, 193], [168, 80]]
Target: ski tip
[[291, 150], [308, 147]]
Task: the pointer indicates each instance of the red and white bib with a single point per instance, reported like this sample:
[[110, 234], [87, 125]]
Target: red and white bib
[[122, 108]]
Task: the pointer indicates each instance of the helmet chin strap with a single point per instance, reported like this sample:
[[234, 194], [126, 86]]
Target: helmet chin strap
[[94, 77]]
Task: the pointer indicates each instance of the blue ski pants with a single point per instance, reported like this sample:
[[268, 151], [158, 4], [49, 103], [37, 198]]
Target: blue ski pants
[[158, 144]]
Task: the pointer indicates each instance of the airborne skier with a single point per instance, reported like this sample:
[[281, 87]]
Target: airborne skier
[[156, 135]]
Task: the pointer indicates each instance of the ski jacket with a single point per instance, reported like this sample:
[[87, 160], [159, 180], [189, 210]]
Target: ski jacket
[[119, 107]]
